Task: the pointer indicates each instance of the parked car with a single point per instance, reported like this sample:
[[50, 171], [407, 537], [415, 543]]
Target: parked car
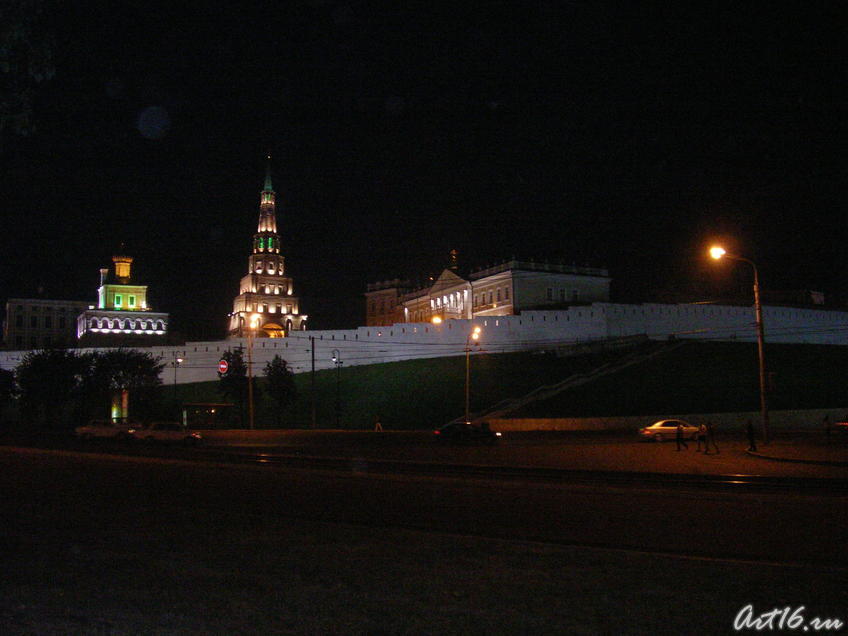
[[667, 429], [106, 429], [173, 432], [466, 432]]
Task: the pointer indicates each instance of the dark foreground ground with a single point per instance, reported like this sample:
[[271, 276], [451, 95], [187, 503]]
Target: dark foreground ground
[[127, 545]]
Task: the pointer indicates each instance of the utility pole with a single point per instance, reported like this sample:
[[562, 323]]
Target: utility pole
[[312, 381]]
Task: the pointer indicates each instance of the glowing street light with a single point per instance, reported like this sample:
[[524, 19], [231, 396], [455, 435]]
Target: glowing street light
[[176, 363], [472, 338], [717, 253], [337, 360]]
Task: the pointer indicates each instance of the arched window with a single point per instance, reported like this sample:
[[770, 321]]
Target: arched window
[[94, 323], [288, 325]]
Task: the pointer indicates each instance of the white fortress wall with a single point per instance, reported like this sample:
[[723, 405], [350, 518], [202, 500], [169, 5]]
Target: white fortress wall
[[532, 330]]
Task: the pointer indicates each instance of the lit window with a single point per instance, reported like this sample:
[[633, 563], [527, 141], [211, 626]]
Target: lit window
[[118, 300], [132, 301]]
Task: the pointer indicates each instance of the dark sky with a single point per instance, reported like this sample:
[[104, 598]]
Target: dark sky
[[618, 134]]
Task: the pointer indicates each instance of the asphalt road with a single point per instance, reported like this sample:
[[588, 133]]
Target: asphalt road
[[783, 526], [97, 543]]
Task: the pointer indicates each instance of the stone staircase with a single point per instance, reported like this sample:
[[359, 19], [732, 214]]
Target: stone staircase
[[547, 391]]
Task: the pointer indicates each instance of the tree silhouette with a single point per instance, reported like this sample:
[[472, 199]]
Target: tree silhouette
[[280, 386], [105, 373], [49, 382], [8, 390]]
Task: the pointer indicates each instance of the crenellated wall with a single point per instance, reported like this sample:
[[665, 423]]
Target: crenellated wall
[[531, 330]]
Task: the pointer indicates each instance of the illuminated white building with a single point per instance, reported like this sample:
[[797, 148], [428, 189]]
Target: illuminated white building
[[506, 289], [266, 297], [122, 316]]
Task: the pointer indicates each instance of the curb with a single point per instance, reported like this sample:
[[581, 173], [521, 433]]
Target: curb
[[792, 460]]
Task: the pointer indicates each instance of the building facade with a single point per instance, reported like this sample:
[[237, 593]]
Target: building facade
[[503, 290], [40, 323], [266, 303], [122, 316], [384, 302]]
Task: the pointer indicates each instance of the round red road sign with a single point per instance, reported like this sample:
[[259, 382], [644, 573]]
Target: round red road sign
[[223, 366]]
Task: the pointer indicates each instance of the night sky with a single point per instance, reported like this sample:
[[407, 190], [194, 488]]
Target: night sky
[[625, 135]]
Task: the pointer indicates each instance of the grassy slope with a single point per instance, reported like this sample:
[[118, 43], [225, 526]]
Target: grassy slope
[[412, 393], [710, 377], [705, 377]]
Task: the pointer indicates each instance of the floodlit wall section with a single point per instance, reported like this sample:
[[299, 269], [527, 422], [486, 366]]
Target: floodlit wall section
[[531, 330], [541, 288]]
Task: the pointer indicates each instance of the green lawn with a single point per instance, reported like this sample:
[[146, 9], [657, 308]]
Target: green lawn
[[710, 377], [412, 393], [698, 377]]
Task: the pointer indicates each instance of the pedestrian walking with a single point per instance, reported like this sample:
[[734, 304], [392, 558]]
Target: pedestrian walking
[[378, 427], [702, 437], [711, 438], [679, 437], [752, 440]]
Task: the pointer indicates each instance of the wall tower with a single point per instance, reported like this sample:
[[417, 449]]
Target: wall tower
[[266, 300]]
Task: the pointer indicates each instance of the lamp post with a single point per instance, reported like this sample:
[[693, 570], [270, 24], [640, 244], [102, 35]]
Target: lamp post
[[254, 319], [337, 360], [717, 253], [473, 336], [176, 363]]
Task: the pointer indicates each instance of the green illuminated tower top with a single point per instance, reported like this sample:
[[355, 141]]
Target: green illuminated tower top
[[266, 239]]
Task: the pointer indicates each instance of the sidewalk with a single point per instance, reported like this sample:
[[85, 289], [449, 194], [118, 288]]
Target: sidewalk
[[833, 453], [802, 456]]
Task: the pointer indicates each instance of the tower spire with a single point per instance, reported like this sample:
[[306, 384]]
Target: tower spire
[[266, 238], [268, 186]]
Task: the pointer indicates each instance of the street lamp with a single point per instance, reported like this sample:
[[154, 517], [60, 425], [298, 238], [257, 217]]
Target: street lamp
[[718, 253], [176, 363], [472, 338], [254, 321], [337, 360]]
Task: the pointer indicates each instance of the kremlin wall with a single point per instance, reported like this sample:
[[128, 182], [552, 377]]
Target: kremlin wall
[[528, 331], [506, 301]]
